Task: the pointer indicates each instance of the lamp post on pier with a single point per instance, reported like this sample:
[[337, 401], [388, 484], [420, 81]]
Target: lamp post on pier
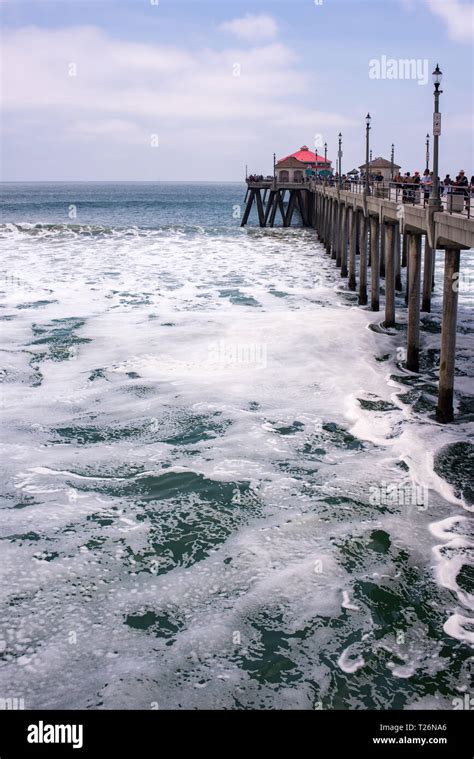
[[274, 170], [392, 161], [367, 131], [427, 152], [325, 155], [434, 201], [339, 155]]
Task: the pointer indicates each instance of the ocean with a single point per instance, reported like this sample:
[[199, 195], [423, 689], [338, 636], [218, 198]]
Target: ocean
[[221, 487]]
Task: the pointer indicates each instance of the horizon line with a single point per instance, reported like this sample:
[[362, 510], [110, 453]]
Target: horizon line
[[123, 181]]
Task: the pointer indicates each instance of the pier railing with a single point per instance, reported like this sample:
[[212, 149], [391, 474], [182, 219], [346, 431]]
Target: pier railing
[[454, 200], [458, 200]]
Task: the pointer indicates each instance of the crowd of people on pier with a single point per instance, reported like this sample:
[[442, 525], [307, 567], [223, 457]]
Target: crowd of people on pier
[[416, 183], [460, 185], [413, 187], [259, 178]]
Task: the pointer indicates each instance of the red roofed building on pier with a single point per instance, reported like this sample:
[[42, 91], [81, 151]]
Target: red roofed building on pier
[[294, 167]]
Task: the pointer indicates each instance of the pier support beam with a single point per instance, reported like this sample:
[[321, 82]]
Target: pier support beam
[[324, 222], [382, 254], [414, 276], [344, 230], [375, 263], [404, 249], [334, 232], [398, 273], [327, 224], [407, 265], [389, 275], [353, 243], [248, 207], [316, 206], [261, 214], [340, 232], [363, 224], [444, 409], [319, 213], [427, 277]]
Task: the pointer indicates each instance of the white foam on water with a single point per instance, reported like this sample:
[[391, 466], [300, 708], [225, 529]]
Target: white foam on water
[[94, 430], [350, 662], [346, 602], [460, 627]]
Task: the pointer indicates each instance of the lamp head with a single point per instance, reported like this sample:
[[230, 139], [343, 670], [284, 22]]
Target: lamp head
[[437, 76]]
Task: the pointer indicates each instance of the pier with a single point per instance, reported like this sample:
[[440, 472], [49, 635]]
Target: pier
[[374, 225]]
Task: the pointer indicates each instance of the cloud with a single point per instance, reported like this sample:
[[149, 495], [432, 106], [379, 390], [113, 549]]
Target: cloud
[[100, 98], [252, 28], [82, 73], [458, 17]]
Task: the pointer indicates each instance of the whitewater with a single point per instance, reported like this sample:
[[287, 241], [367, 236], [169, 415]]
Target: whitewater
[[209, 456]]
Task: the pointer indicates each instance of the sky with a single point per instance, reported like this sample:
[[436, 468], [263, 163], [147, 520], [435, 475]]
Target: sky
[[161, 90]]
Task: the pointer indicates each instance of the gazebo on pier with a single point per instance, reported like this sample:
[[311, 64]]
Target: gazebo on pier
[[381, 166]]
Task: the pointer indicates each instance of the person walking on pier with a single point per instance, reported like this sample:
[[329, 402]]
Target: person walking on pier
[[415, 194], [446, 184], [462, 186], [407, 189], [426, 181]]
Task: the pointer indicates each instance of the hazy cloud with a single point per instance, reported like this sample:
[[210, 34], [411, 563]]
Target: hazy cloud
[[252, 28], [85, 88], [458, 17]]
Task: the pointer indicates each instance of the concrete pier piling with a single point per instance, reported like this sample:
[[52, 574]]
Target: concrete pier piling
[[427, 277], [340, 232], [335, 230], [374, 264], [413, 333], [363, 259], [382, 254], [407, 266], [353, 244], [398, 263], [345, 235], [327, 224], [389, 274], [445, 409], [404, 250], [355, 226]]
